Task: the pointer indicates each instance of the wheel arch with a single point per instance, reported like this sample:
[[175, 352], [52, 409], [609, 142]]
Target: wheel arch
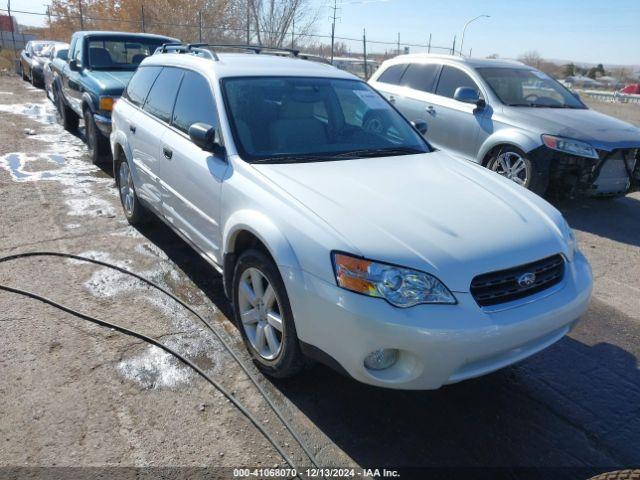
[[250, 228], [507, 137], [120, 150]]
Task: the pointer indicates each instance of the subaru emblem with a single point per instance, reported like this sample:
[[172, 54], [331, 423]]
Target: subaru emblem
[[527, 279]]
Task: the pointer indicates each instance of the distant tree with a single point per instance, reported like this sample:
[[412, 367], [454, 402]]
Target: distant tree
[[493, 55], [275, 19], [531, 58], [592, 72], [600, 69], [569, 70]]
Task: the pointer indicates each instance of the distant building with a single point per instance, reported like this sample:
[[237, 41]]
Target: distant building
[[5, 23]]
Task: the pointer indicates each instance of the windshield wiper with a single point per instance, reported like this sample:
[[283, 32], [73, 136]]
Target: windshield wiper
[[380, 152], [364, 153]]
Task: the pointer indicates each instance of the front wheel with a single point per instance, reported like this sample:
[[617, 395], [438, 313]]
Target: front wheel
[[513, 163], [263, 314]]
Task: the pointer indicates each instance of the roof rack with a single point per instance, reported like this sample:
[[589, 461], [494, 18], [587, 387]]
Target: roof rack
[[206, 49]]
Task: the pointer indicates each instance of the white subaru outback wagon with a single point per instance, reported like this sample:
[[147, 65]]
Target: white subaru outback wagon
[[341, 235]]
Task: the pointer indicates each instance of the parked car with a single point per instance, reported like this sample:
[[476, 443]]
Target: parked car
[[514, 120], [633, 89], [337, 239], [98, 68], [56, 57], [32, 62]]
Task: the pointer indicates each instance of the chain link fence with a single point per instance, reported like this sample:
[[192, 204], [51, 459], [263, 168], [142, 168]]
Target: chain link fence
[[358, 55]]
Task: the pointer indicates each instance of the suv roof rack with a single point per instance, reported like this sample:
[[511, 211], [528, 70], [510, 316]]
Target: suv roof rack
[[207, 49]]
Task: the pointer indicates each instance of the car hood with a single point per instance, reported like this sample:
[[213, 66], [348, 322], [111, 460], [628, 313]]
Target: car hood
[[448, 217], [111, 83], [601, 131]]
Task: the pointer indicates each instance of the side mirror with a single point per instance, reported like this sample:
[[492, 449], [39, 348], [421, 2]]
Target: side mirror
[[204, 136], [422, 127], [466, 95], [73, 65]]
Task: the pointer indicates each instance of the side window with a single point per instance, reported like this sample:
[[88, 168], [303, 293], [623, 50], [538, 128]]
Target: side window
[[163, 94], [72, 49], [393, 74], [194, 103], [140, 84], [453, 78], [421, 76]]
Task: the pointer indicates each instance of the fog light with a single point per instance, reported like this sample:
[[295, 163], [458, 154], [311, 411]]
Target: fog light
[[381, 359]]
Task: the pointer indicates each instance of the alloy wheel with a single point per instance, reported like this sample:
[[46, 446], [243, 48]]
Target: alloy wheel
[[127, 191], [260, 313], [513, 166]]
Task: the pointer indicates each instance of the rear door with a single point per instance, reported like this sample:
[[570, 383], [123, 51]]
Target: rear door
[[140, 130], [454, 126], [388, 83], [418, 83], [191, 178]]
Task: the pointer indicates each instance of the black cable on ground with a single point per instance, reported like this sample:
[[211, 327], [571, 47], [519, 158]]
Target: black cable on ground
[[126, 331], [153, 341]]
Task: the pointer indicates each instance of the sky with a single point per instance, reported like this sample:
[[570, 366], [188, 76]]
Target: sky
[[593, 31]]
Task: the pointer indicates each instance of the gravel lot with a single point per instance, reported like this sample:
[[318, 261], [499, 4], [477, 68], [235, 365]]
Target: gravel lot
[[77, 394]]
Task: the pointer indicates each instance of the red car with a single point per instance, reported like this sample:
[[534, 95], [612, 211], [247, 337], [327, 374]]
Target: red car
[[634, 88]]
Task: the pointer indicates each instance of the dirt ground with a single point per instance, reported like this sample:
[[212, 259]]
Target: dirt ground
[[629, 112], [74, 394]]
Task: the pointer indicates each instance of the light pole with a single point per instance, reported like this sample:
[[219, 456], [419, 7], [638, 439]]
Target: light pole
[[465, 29]]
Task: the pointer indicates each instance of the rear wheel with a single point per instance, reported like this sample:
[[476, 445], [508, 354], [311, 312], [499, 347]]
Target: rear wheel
[[68, 117], [513, 163], [133, 209], [97, 144], [263, 315]]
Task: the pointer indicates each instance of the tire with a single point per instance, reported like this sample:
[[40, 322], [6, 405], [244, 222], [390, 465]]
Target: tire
[[97, 144], [513, 163], [68, 117], [618, 475], [254, 271], [135, 213]]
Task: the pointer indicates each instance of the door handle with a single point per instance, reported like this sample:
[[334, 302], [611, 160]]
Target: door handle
[[132, 128], [168, 153], [392, 99], [431, 110]]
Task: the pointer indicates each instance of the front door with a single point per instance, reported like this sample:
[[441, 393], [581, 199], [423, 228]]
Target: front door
[[191, 178], [454, 126]]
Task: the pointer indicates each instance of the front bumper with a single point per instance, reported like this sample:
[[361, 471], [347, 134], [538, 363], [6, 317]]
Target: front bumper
[[438, 344], [613, 173]]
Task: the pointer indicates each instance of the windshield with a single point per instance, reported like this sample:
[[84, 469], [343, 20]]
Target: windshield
[[524, 87], [289, 119], [120, 53], [41, 48]]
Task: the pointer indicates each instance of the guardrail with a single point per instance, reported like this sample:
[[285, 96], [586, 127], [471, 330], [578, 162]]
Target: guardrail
[[613, 97]]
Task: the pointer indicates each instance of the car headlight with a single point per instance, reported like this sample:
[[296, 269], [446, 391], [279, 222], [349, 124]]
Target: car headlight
[[569, 237], [573, 147], [401, 287]]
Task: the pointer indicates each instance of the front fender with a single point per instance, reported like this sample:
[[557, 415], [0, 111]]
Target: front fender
[[509, 136], [265, 230], [90, 101]]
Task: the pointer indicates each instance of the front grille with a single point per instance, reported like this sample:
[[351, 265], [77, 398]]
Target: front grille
[[503, 286]]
